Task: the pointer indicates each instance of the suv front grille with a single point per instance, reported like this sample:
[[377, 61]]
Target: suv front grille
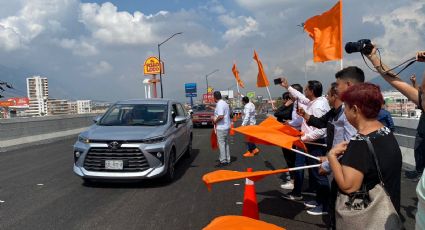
[[133, 159]]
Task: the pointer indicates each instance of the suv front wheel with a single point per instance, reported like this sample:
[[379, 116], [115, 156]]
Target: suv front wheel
[[169, 176], [188, 152]]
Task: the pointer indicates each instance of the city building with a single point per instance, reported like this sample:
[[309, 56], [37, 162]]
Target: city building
[[73, 108], [38, 94], [83, 106], [398, 104], [57, 107]]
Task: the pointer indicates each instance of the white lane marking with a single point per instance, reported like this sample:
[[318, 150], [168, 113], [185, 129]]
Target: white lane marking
[[40, 184], [240, 203], [236, 184], [1, 201]]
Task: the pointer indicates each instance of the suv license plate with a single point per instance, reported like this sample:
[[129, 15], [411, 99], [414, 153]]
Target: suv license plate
[[204, 123], [114, 164]]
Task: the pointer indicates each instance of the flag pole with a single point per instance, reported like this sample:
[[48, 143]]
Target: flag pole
[[306, 154], [239, 93], [270, 96]]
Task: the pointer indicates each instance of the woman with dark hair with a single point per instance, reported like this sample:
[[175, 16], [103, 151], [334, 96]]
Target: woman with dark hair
[[284, 112], [357, 166]]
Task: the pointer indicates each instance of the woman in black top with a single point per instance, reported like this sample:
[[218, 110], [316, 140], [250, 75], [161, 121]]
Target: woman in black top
[[362, 105], [284, 112]]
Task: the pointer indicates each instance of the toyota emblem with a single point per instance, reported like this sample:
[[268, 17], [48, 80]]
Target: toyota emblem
[[114, 145]]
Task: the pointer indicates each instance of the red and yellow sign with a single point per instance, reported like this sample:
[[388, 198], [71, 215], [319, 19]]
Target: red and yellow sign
[[15, 102], [152, 66], [6, 103]]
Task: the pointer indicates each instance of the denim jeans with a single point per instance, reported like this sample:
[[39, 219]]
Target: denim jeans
[[223, 145], [320, 182], [299, 174]]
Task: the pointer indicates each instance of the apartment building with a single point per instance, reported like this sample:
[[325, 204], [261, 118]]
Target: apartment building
[[398, 104], [84, 106], [38, 94], [57, 107]]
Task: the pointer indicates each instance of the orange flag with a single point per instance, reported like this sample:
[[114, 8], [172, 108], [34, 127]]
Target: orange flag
[[236, 73], [272, 132], [229, 175], [262, 80], [326, 31]]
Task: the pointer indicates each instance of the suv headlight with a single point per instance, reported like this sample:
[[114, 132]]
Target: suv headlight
[[83, 139], [154, 140]]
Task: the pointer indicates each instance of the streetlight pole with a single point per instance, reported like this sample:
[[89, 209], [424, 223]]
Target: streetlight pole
[[160, 63], [206, 77]]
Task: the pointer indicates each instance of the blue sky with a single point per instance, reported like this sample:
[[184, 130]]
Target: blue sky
[[94, 49]]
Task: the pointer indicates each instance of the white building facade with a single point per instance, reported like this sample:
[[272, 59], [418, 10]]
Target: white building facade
[[38, 94], [84, 106]]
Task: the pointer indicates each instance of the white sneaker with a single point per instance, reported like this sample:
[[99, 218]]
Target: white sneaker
[[288, 185]]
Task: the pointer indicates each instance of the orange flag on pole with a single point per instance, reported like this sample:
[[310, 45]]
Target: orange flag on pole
[[236, 73], [326, 31], [262, 80]]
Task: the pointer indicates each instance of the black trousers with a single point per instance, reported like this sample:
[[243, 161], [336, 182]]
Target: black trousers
[[290, 160], [419, 153]]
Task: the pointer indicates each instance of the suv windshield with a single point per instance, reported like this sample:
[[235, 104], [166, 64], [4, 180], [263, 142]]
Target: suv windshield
[[135, 115], [201, 108]]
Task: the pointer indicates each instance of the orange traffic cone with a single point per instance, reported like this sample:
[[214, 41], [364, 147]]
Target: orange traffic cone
[[231, 132], [250, 206]]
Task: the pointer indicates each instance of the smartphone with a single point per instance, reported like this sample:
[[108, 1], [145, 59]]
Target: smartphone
[[277, 81]]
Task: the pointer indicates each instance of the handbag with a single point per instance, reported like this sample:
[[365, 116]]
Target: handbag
[[365, 209]]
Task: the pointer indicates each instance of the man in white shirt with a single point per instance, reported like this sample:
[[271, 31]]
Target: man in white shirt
[[313, 103], [249, 119], [222, 126]]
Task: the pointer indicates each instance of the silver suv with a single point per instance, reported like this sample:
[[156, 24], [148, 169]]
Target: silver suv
[[134, 139]]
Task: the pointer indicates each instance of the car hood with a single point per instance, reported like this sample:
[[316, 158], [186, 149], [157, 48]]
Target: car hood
[[97, 132], [204, 113]]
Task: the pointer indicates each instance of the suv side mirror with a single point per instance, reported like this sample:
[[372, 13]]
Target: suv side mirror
[[97, 119], [180, 120]]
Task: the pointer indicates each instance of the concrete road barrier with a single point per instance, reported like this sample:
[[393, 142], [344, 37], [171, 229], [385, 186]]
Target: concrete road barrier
[[20, 132]]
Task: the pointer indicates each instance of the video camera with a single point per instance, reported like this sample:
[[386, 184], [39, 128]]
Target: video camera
[[363, 46]]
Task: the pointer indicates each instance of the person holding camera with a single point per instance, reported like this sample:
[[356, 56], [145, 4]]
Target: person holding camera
[[283, 113], [413, 94], [417, 96], [313, 103], [288, 113]]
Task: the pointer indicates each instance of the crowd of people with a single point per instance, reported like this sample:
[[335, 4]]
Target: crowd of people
[[352, 134]]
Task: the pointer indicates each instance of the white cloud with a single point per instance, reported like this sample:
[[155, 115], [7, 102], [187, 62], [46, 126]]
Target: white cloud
[[277, 71], [9, 38], [199, 49], [254, 5], [82, 48], [33, 19], [110, 26], [404, 30], [102, 68], [247, 26]]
